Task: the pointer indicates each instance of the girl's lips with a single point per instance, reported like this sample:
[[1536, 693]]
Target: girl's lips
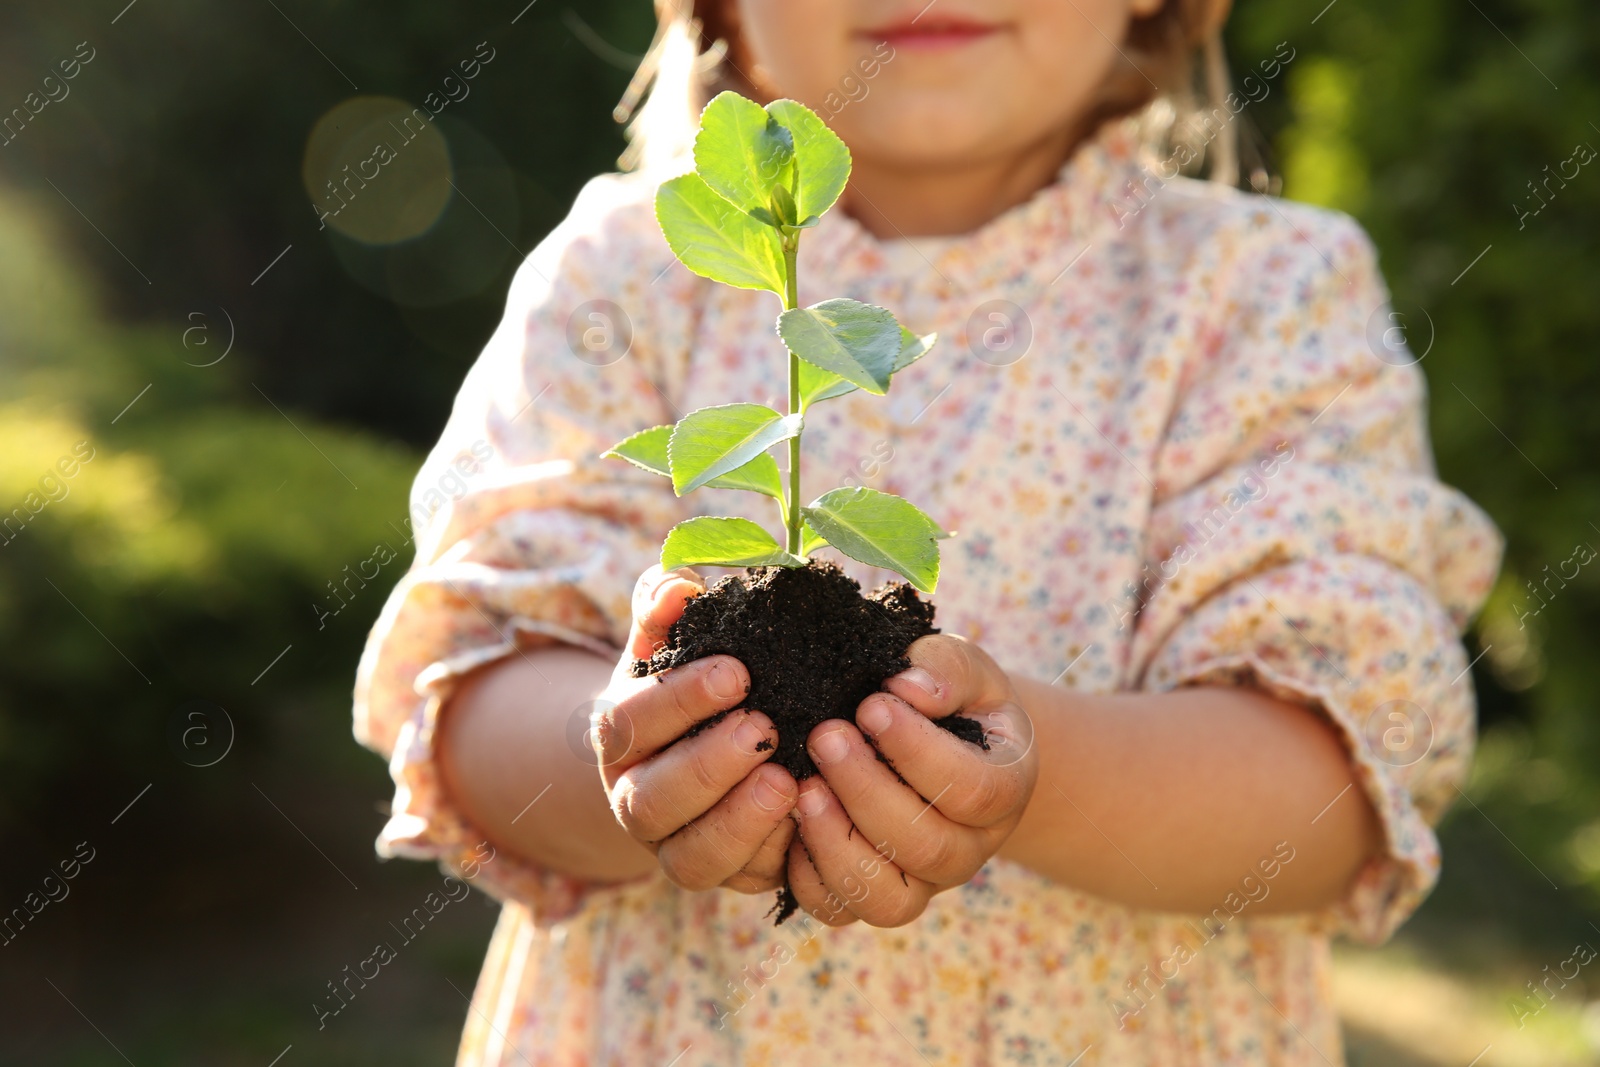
[[932, 33]]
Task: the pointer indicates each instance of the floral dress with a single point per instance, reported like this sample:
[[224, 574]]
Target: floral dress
[[1179, 447]]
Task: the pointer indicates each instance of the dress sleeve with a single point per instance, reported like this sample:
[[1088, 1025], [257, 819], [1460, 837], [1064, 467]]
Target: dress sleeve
[[1301, 543], [523, 535]]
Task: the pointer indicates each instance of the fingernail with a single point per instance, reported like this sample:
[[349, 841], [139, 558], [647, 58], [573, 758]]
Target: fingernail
[[921, 680], [813, 802], [830, 747], [724, 683], [874, 716], [748, 736], [767, 798], [665, 580]]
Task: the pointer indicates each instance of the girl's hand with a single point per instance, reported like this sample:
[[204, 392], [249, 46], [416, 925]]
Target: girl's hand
[[710, 807], [876, 848]]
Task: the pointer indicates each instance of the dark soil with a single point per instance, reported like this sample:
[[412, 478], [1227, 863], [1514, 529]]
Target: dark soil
[[814, 646]]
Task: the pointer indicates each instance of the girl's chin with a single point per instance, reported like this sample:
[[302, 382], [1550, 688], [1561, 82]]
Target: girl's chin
[[925, 136]]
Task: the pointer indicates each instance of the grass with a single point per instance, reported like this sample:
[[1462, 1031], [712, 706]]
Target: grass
[[1401, 1007]]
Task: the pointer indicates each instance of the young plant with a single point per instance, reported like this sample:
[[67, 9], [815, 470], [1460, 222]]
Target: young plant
[[762, 177]]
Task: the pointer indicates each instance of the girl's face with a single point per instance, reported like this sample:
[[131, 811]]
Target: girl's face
[[947, 83]]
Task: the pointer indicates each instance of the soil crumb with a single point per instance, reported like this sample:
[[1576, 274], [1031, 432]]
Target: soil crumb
[[814, 646]]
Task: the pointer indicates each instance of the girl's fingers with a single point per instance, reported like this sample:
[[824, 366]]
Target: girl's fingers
[[811, 893], [658, 710], [890, 815], [968, 785], [635, 716], [951, 675], [656, 797], [730, 836], [876, 890], [765, 870], [947, 673], [658, 599]]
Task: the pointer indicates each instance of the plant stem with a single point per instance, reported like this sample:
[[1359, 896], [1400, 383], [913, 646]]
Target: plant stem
[[791, 300]]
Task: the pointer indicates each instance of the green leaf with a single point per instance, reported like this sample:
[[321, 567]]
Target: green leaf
[[782, 206], [912, 348], [858, 342], [646, 450], [723, 543], [715, 441], [880, 530], [760, 475], [717, 240], [810, 540], [818, 384], [742, 152], [821, 161]]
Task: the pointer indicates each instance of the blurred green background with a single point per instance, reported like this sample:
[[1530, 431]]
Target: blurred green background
[[156, 216]]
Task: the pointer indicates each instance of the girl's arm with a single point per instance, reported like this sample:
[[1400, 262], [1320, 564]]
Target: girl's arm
[[1156, 800], [709, 810], [1165, 801], [502, 742], [1168, 800], [521, 532]]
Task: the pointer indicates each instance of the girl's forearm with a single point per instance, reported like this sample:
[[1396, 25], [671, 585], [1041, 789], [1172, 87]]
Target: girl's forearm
[[1167, 801], [503, 742], [1163, 801]]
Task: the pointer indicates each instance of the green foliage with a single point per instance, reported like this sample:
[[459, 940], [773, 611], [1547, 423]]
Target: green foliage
[[1428, 121], [858, 342], [647, 450], [821, 158], [716, 239], [723, 543], [762, 176], [881, 530], [818, 384], [187, 548], [711, 442], [744, 154]]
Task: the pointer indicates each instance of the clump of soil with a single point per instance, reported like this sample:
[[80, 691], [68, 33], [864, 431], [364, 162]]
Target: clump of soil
[[814, 646]]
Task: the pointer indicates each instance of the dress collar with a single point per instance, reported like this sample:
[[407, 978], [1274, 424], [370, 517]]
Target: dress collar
[[1024, 247]]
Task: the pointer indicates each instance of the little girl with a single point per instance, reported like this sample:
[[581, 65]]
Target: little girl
[[1206, 585]]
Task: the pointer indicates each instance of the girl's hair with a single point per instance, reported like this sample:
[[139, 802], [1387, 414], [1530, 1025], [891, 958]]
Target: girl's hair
[[696, 54]]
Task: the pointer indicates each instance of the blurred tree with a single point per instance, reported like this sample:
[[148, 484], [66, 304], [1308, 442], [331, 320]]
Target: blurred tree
[[1456, 134], [176, 161], [154, 215]]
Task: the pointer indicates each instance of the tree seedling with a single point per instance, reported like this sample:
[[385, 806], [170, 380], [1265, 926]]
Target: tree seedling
[[814, 646], [762, 177]]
